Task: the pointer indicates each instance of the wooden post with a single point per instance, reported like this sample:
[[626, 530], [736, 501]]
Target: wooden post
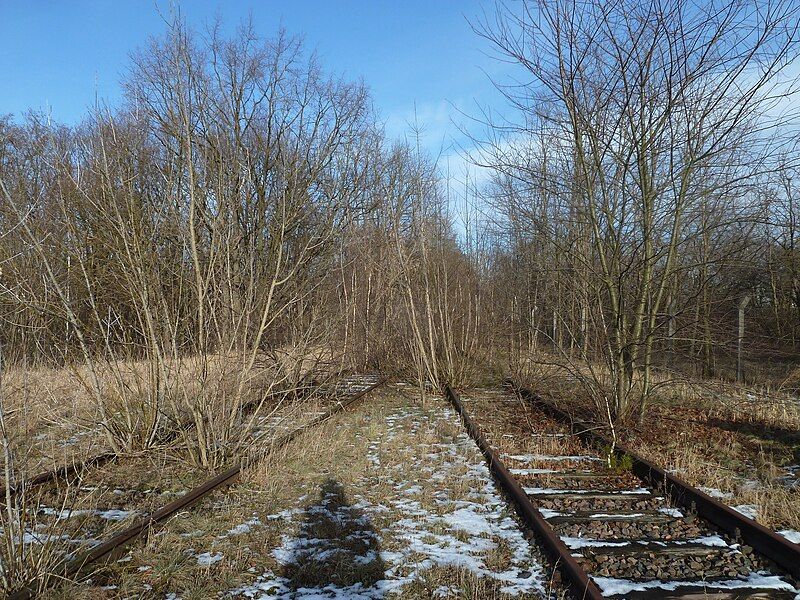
[[670, 328], [742, 305]]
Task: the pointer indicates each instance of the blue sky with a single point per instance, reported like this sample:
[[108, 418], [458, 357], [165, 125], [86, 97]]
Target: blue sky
[[59, 56]]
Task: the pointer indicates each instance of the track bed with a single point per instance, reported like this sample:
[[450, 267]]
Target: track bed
[[389, 499], [627, 536]]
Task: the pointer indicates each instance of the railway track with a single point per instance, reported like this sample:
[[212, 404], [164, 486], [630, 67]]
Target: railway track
[[620, 530], [341, 394], [621, 527]]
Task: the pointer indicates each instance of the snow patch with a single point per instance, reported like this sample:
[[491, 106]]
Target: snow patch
[[576, 543], [206, 559], [245, 527], [109, 515], [548, 514], [715, 493], [708, 540], [533, 491], [614, 587], [791, 535], [546, 457], [532, 471], [748, 510]]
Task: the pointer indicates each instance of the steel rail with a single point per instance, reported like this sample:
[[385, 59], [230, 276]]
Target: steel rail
[[583, 586], [62, 472], [228, 477], [765, 541]]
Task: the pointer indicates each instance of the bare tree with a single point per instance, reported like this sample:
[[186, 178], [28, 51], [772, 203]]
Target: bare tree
[[653, 114]]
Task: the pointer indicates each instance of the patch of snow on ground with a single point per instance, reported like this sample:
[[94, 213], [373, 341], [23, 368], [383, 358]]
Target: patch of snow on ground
[[791, 535], [547, 457], [285, 515], [271, 586], [36, 537], [207, 558], [532, 471], [748, 510], [115, 515], [576, 543], [534, 491], [708, 540], [715, 493], [245, 527], [611, 586], [110, 515]]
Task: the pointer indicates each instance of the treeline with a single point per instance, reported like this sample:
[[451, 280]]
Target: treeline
[[241, 202], [237, 193]]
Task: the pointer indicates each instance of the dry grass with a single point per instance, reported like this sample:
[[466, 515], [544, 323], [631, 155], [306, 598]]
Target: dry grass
[[735, 439], [729, 470], [167, 562], [53, 418], [54, 422], [331, 462], [725, 400], [31, 547]]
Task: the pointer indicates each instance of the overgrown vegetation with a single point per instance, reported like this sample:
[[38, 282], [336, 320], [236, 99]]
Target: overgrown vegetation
[[241, 227], [646, 189], [242, 204]]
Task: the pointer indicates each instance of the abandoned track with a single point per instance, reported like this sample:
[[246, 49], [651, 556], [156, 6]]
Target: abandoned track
[[620, 527], [343, 394], [69, 471], [73, 470]]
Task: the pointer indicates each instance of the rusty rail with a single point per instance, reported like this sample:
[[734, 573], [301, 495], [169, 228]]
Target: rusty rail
[[59, 473], [583, 586], [765, 541], [228, 477]]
